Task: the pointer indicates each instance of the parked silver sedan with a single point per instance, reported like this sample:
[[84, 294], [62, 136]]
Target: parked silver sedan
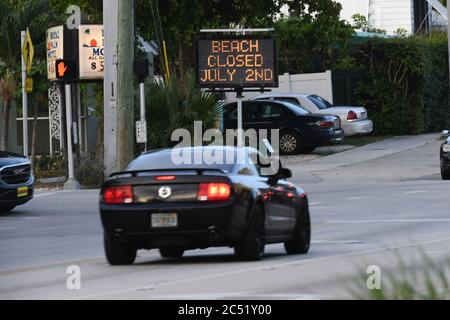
[[354, 119]]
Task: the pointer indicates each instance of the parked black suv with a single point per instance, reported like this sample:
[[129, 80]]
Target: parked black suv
[[300, 130], [16, 181]]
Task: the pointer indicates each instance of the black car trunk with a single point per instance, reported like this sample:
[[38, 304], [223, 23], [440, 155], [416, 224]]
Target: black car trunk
[[167, 186]]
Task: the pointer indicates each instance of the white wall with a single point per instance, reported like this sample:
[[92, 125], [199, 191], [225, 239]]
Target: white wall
[[312, 83], [389, 15], [351, 7]]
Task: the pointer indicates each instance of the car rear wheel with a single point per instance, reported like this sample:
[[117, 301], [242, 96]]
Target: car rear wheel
[[117, 253], [171, 252], [251, 247], [6, 209], [301, 240], [289, 143]]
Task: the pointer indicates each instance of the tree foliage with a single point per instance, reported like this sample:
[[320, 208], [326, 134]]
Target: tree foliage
[[313, 38], [406, 86]]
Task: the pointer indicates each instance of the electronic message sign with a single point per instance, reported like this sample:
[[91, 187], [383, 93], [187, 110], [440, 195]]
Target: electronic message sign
[[237, 62]]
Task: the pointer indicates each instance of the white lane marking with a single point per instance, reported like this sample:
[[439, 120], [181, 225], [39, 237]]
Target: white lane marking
[[314, 203], [387, 221], [261, 268], [337, 242], [415, 191], [357, 198], [21, 219]]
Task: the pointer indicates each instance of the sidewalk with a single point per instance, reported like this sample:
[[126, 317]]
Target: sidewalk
[[358, 155]]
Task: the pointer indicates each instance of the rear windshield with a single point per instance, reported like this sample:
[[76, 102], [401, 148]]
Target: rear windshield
[[320, 102], [176, 160], [295, 108]]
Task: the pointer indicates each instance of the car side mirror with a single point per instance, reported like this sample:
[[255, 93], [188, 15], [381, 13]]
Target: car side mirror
[[282, 174]]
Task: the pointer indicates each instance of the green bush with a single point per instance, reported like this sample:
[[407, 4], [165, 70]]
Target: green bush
[[406, 87], [175, 106], [89, 172], [49, 166], [415, 278]]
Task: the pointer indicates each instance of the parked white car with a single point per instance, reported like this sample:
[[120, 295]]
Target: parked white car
[[354, 119]]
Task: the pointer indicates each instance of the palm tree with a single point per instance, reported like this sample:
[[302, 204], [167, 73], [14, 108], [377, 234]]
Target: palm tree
[[17, 15]]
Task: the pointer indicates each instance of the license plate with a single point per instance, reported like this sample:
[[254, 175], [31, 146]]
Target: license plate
[[164, 220], [22, 192]]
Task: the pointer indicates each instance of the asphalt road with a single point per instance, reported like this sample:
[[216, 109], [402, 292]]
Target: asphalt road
[[366, 210]]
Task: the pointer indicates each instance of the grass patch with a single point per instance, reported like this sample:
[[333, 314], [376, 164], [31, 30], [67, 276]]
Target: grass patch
[[359, 141], [409, 280]]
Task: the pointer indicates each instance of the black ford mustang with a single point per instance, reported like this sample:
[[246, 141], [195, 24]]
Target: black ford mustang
[[157, 204], [16, 181]]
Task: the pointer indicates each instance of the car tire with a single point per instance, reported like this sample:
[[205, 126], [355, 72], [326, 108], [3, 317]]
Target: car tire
[[301, 240], [251, 247], [445, 174], [6, 209], [117, 253], [171, 252], [308, 150], [289, 143]]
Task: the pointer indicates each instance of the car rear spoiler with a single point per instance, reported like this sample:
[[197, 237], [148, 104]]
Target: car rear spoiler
[[137, 172]]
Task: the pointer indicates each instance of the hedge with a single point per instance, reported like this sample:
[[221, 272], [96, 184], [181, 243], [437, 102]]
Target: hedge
[[406, 89]]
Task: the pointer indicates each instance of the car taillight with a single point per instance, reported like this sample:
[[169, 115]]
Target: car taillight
[[214, 192], [118, 195], [352, 116], [165, 178], [325, 124]]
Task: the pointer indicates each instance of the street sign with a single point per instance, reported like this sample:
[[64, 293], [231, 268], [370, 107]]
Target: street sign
[[66, 70], [29, 85], [91, 52], [238, 61], [55, 50], [28, 51], [141, 132]]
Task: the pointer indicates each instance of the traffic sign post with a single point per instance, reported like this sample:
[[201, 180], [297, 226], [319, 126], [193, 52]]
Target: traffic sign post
[[66, 70], [142, 72], [71, 183], [26, 54]]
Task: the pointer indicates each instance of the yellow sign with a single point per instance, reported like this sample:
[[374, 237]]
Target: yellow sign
[[28, 85], [28, 51]]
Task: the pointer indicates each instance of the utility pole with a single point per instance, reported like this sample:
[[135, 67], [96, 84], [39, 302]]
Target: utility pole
[[448, 35], [110, 25], [125, 98], [24, 100], [71, 183]]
